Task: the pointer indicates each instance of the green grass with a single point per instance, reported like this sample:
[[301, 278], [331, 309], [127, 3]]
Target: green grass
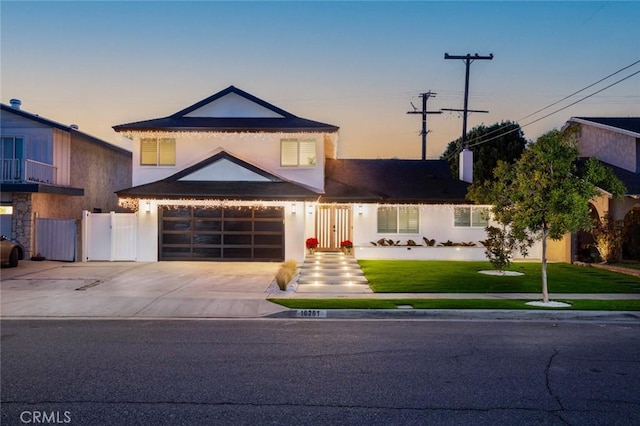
[[627, 265], [598, 305], [412, 276]]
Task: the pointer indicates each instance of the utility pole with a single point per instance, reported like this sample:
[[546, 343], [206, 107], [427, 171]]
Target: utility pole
[[468, 59], [424, 112]]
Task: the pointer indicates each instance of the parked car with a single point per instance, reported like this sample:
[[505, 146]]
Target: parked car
[[11, 252]]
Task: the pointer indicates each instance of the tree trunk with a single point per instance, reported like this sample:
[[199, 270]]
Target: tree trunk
[[545, 291]]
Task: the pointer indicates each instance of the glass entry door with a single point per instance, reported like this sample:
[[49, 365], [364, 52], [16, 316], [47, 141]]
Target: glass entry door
[[333, 225]]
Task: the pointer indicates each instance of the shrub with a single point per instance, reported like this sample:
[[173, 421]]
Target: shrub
[[285, 274], [631, 235], [499, 246], [428, 242], [607, 234], [346, 244]]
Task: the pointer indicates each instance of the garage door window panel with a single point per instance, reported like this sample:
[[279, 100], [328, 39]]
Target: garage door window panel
[[207, 239], [207, 225], [237, 240], [270, 240], [208, 253]]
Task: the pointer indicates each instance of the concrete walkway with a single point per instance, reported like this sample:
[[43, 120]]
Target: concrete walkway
[[331, 273]]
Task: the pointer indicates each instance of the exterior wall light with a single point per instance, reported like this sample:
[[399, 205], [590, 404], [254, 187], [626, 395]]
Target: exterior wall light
[[147, 207], [293, 208], [360, 209]]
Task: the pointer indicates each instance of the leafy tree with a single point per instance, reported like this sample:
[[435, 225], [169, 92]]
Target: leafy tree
[[542, 195], [507, 147]]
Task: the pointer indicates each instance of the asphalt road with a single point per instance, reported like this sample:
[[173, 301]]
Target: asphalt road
[[323, 372]]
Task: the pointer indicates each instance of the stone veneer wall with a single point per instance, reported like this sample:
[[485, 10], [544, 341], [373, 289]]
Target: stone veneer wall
[[22, 221]]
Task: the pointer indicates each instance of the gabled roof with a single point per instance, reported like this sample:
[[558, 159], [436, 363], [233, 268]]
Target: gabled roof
[[392, 181], [197, 118], [626, 125], [56, 125], [267, 187], [631, 180]]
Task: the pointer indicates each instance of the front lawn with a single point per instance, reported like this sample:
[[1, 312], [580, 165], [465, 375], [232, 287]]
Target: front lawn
[[431, 276]]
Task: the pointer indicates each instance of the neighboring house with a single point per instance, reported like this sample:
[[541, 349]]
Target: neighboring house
[[50, 170], [233, 177], [615, 141]]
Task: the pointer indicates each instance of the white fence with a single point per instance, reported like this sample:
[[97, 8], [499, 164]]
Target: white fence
[[109, 236]]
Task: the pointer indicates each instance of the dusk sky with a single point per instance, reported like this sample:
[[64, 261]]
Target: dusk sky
[[357, 65]]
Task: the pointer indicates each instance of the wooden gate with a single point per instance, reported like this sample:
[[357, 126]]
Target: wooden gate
[[333, 225]]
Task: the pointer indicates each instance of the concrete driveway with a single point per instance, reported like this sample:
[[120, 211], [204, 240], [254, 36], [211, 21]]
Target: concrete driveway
[[137, 290]]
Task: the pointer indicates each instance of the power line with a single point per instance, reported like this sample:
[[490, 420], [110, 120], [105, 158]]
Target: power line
[[554, 112], [548, 115], [581, 90]]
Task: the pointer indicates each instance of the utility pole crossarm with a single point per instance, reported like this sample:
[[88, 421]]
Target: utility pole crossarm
[[468, 56], [424, 112], [468, 59]]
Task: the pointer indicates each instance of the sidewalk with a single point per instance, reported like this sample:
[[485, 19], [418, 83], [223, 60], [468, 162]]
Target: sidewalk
[[101, 290]]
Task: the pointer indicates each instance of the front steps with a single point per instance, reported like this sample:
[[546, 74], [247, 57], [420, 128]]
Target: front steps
[[331, 272]]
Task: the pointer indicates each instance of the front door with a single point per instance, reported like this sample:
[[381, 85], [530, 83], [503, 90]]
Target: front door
[[333, 225]]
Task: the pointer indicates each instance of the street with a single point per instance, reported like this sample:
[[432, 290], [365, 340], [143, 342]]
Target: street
[[319, 372]]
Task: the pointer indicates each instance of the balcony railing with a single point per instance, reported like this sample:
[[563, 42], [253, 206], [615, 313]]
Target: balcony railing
[[20, 171]]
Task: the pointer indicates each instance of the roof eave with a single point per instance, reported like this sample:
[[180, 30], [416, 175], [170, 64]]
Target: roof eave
[[319, 129], [604, 126]]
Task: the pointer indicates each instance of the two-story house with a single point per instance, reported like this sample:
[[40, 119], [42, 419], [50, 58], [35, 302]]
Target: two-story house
[[50, 170], [233, 177], [615, 141]]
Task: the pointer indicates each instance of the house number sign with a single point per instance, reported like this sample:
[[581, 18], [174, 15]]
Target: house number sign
[[311, 313]]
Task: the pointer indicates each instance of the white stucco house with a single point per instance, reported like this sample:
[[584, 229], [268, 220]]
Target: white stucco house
[[233, 177]]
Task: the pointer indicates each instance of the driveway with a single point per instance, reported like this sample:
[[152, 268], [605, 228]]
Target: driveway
[[137, 290]]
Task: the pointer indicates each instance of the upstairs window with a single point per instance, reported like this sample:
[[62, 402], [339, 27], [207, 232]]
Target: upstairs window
[[398, 220], [474, 217], [157, 152], [12, 147], [297, 152]]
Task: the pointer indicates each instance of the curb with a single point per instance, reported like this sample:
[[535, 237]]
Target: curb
[[460, 314]]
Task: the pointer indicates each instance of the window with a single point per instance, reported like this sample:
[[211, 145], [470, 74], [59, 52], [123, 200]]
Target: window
[[11, 155], [398, 220], [297, 153], [476, 217], [12, 148], [157, 152]]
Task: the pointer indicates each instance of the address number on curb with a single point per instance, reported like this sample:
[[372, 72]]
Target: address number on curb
[[311, 313]]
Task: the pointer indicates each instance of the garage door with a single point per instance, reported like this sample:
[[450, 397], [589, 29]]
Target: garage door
[[224, 234]]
